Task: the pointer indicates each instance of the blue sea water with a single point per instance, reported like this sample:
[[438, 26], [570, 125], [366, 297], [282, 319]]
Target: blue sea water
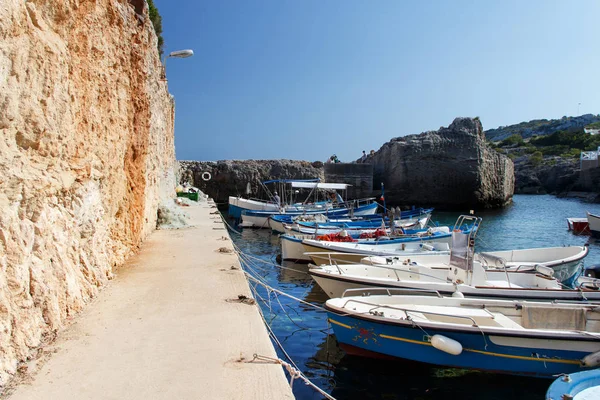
[[303, 331]]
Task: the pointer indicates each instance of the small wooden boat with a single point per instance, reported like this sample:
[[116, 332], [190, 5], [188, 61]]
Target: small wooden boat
[[579, 226], [506, 336], [583, 385], [594, 224]]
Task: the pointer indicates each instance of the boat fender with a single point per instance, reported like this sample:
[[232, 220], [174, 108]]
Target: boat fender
[[427, 247], [458, 295], [446, 344], [591, 360]]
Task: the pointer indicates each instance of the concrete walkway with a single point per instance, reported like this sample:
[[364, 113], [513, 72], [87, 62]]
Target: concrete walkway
[[164, 330]]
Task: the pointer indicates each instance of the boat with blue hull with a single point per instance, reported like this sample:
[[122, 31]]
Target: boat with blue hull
[[512, 337], [277, 222], [260, 219], [578, 386]]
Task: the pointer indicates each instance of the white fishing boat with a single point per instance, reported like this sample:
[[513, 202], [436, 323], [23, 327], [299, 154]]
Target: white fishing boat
[[462, 272], [293, 248], [507, 336], [594, 224]]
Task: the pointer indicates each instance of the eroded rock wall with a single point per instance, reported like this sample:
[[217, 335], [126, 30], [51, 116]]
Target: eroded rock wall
[[86, 156], [232, 177], [451, 168]]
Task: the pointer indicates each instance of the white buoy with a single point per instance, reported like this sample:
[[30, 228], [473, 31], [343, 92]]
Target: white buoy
[[591, 360], [446, 344], [458, 294]]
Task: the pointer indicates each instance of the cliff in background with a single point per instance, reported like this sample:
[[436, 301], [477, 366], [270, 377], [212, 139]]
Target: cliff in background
[[540, 127], [232, 177], [86, 157], [451, 168]]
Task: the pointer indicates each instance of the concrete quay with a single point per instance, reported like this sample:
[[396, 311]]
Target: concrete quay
[[164, 329]]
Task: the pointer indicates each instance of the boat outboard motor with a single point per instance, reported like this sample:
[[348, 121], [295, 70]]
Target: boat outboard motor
[[592, 271]]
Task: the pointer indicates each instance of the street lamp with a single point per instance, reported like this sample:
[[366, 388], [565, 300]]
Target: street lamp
[[176, 54]]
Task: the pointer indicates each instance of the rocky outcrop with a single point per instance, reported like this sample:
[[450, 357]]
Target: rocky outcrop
[[222, 179], [86, 156], [541, 127], [553, 175], [449, 168]]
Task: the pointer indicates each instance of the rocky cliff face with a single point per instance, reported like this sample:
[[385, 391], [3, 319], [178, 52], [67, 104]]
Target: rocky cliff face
[[222, 179], [85, 158], [553, 175], [449, 168]]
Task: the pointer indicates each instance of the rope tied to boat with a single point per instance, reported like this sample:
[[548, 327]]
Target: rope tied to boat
[[292, 371]]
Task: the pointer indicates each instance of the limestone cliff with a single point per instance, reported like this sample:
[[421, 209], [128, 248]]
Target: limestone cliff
[[449, 168], [85, 158], [231, 177]]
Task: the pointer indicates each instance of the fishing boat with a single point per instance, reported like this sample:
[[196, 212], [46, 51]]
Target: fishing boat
[[260, 219], [506, 336], [239, 204], [462, 273], [330, 229], [292, 248], [313, 221], [594, 224], [579, 226], [429, 240], [583, 385]]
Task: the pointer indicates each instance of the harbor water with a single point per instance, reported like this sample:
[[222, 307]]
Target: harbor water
[[303, 332]]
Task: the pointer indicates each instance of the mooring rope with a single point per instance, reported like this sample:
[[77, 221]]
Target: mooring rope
[[293, 372]]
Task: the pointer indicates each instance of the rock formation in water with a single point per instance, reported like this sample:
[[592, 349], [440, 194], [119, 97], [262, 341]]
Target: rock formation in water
[[222, 179], [449, 168], [86, 157]]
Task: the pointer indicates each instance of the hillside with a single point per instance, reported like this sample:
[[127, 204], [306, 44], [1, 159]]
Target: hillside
[[541, 127]]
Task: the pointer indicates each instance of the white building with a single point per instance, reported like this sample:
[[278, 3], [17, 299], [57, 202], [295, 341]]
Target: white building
[[591, 131]]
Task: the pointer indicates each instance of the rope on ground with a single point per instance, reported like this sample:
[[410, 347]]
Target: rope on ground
[[294, 373]]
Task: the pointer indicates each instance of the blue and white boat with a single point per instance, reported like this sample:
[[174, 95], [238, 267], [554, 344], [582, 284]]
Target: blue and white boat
[[577, 386], [260, 219], [293, 246], [277, 222], [505, 336], [238, 204]]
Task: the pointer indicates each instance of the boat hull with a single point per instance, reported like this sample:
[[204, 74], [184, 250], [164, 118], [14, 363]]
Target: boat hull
[[320, 250], [594, 224], [260, 219], [481, 351], [334, 285], [292, 249]]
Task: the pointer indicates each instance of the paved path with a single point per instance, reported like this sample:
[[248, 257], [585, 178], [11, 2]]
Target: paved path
[[164, 330]]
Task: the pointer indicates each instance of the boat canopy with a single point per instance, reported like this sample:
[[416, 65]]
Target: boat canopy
[[320, 185], [290, 181]]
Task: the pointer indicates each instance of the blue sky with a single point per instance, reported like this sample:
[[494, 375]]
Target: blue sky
[[308, 78]]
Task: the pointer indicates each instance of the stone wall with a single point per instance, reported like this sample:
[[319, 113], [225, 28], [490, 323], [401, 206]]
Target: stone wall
[[86, 157], [360, 176], [235, 177]]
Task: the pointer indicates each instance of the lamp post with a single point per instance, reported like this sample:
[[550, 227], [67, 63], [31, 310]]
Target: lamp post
[[176, 54]]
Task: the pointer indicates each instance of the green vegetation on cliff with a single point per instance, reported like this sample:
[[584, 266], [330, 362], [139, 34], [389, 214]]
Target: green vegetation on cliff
[[157, 23], [566, 144], [595, 125]]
